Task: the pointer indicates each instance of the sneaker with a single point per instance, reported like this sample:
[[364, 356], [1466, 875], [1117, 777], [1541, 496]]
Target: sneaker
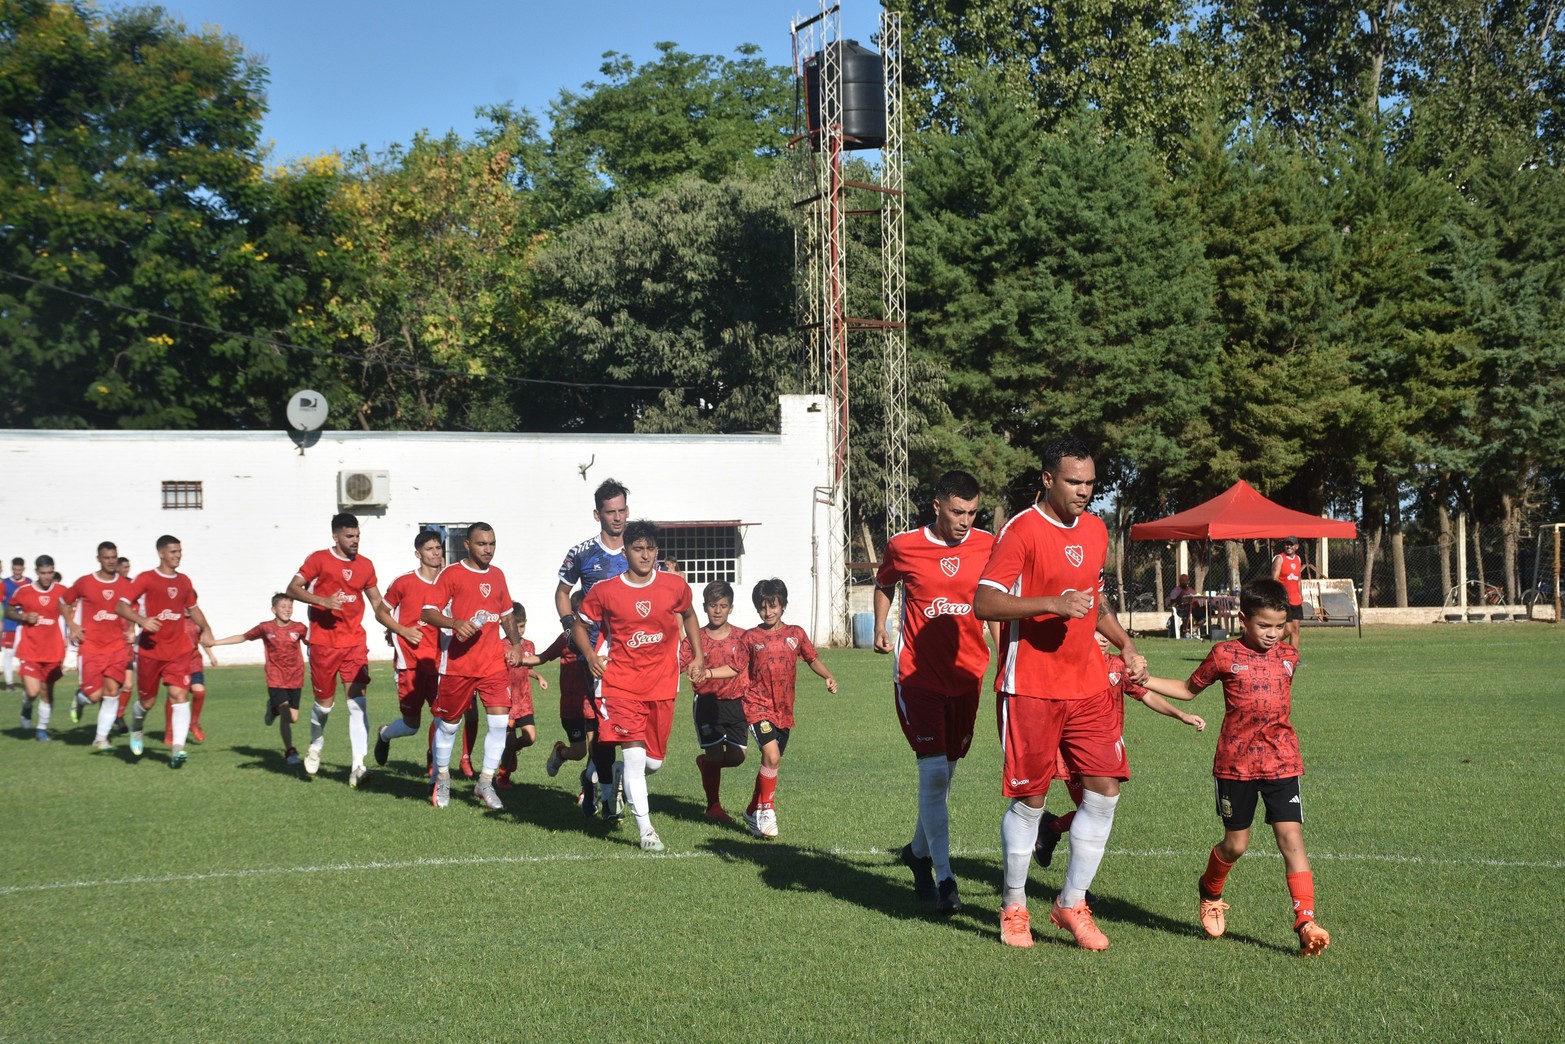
[[312, 760], [138, 743], [485, 792], [270, 715], [1212, 914], [466, 767], [291, 757], [1048, 840], [197, 733], [950, 902], [357, 776], [923, 873], [651, 842], [178, 760], [1078, 921], [502, 780], [613, 810], [1312, 939], [765, 822], [589, 795], [1016, 926], [718, 814], [120, 728], [382, 746], [440, 789], [76, 709], [619, 787], [99, 744], [43, 735], [556, 759]]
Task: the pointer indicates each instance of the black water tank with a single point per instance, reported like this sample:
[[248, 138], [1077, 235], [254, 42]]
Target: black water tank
[[863, 80]]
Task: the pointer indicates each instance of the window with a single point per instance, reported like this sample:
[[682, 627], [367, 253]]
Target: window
[[181, 496], [705, 551], [454, 534]]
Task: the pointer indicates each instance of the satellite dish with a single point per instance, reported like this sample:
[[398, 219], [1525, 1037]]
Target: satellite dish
[[307, 411]]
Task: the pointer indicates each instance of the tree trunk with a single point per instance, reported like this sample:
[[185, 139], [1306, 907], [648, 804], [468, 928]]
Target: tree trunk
[[1235, 552], [1373, 528], [1510, 538], [1476, 530], [1398, 558], [1446, 541]]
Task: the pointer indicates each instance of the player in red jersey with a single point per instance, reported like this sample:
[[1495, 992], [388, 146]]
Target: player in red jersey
[[10, 585], [639, 615], [39, 607], [1258, 758], [335, 583], [1288, 569], [577, 718], [775, 650], [471, 600], [1043, 582], [129, 688], [417, 659], [163, 650], [941, 657], [522, 727], [283, 641], [721, 728], [104, 653]]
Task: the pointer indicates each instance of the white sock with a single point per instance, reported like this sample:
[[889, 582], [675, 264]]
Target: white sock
[[179, 720], [653, 764], [1018, 833], [1089, 836], [81, 699], [358, 729], [138, 716], [636, 786], [318, 716], [494, 739], [106, 711], [932, 837], [445, 739], [397, 729], [45, 711], [10, 666]]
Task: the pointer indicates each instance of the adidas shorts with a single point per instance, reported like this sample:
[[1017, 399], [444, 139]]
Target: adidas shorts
[[1236, 800]]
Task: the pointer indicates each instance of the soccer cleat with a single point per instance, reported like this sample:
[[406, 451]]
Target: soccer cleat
[[197, 733], [502, 780], [485, 792], [312, 760], [613, 810], [1078, 921], [589, 795], [357, 776], [382, 746], [137, 743], [178, 760], [1312, 939], [556, 759], [271, 713], [1048, 840], [923, 868], [1212, 914], [765, 822], [440, 789], [466, 767], [291, 756], [717, 814], [76, 709], [120, 728], [99, 744], [43, 735], [1016, 926], [619, 788], [651, 842], [950, 902]]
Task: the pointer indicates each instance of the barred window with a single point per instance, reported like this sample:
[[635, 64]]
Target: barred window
[[705, 551], [454, 534], [181, 496]]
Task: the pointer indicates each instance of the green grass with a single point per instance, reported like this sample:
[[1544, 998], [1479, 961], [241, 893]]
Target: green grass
[[235, 900]]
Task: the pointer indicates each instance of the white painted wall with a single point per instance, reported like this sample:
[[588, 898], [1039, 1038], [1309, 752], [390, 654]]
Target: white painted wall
[[266, 506]]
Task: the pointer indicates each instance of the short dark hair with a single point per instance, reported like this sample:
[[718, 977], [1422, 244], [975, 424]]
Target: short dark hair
[[1263, 594], [519, 611], [476, 526], [773, 590], [19, 560], [344, 520], [607, 490], [108, 545], [123, 560], [165, 540], [281, 596], [425, 536], [43, 560], [1056, 450], [957, 484], [715, 590], [642, 529], [577, 597]]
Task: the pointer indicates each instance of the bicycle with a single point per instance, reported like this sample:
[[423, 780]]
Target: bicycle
[[1478, 593]]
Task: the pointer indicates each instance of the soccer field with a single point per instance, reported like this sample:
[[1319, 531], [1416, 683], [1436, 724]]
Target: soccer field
[[236, 899]]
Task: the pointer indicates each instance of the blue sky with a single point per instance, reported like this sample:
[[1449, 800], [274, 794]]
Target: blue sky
[[351, 72]]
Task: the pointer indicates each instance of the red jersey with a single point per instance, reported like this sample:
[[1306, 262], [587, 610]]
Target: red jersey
[[406, 597], [1051, 657], [1292, 569], [731, 650], [284, 649], [326, 573], [940, 646], [163, 598], [639, 633], [774, 657], [522, 682], [464, 592], [103, 630], [42, 642], [1257, 740]]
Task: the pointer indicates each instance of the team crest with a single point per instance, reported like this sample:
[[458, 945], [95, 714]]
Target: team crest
[[347, 574], [1287, 665], [108, 596], [763, 727], [483, 589], [1074, 554], [949, 566], [793, 643], [644, 607], [43, 599], [173, 592], [1114, 677]]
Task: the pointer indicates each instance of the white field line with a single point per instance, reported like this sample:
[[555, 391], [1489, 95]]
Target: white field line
[[244, 873]]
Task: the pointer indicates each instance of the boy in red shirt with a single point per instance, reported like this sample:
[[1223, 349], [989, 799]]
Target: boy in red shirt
[[577, 717], [283, 643], [721, 728], [523, 721], [1257, 757], [39, 607]]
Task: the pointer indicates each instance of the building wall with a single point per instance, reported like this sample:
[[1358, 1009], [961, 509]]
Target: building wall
[[266, 505]]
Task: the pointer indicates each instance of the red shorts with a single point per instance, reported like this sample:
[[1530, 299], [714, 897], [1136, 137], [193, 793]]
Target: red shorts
[[937, 724], [100, 665], [456, 695], [327, 664], [44, 672], [9, 641], [575, 693], [623, 720], [1035, 734], [416, 688], [151, 673]]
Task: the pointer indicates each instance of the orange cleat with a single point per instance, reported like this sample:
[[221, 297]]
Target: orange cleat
[[467, 767], [1312, 939], [716, 812], [1078, 921], [1016, 926], [197, 733], [1211, 912]]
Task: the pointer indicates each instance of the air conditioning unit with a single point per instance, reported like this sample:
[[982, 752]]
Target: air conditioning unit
[[363, 489]]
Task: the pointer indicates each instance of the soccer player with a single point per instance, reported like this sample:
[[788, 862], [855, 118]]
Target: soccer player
[[335, 583], [639, 616], [163, 650], [522, 728], [197, 678], [104, 652], [938, 673], [594, 560], [283, 640], [38, 608], [775, 649], [13, 583], [1287, 569], [471, 600], [128, 689], [721, 729], [418, 656], [1258, 758], [577, 717], [1043, 582]]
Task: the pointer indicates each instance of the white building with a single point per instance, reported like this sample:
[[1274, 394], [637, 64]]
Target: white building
[[248, 506]]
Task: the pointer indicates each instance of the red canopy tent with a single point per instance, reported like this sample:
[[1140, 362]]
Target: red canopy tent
[[1240, 513]]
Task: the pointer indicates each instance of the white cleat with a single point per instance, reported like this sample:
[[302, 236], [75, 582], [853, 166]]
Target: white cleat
[[485, 792], [312, 760], [651, 842], [357, 776], [766, 822]]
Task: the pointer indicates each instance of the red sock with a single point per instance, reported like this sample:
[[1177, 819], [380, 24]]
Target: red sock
[[765, 787], [711, 779], [1216, 875], [197, 701], [124, 703], [1302, 887], [469, 734], [1062, 824]]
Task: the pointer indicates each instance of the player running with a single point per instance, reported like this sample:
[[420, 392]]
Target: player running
[[13, 583], [418, 654], [38, 608], [721, 729], [105, 656], [282, 642]]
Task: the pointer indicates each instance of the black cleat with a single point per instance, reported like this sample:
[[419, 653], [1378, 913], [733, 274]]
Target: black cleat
[[382, 748], [923, 873], [949, 902], [120, 728], [1048, 840]]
